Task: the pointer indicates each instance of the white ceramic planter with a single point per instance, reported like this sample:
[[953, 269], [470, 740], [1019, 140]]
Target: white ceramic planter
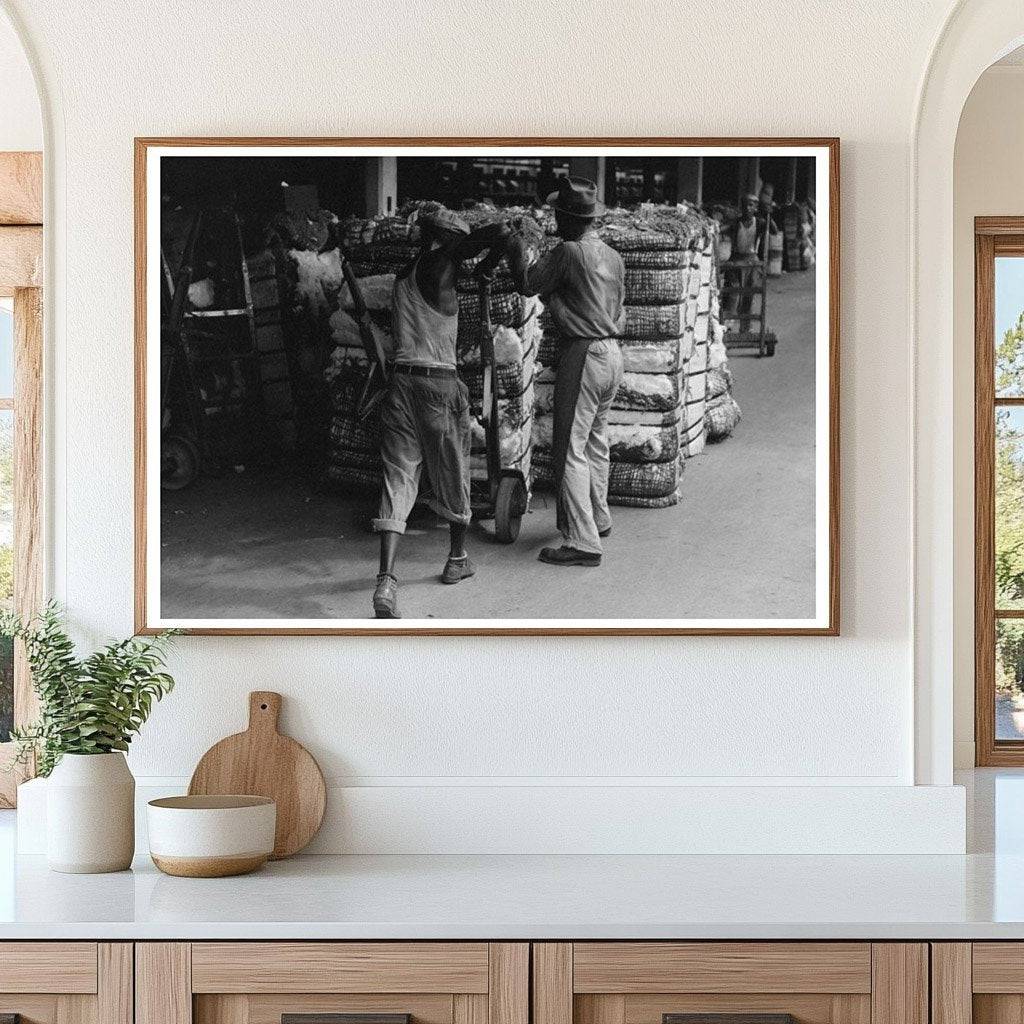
[[90, 814]]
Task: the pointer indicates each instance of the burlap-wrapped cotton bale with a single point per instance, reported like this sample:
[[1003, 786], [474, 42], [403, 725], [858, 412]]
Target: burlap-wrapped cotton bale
[[636, 236], [318, 277], [698, 358], [640, 417], [506, 310], [718, 356], [651, 355], [656, 259], [707, 267], [721, 417], [651, 485], [649, 391], [667, 321], [654, 287], [639, 443], [642, 480], [719, 381], [692, 439], [628, 442]]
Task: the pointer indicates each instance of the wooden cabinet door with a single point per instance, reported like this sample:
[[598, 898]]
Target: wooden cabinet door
[[66, 982], [977, 983], [814, 982], [261, 982]]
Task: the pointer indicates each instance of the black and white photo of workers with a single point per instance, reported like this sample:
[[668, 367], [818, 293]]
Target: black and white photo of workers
[[582, 283], [425, 420]]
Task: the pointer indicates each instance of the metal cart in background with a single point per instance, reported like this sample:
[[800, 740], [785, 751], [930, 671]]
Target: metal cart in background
[[753, 275]]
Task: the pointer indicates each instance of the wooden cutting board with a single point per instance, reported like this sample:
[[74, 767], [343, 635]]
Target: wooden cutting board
[[262, 762]]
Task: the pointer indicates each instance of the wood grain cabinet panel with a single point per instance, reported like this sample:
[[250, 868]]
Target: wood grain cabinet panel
[[66, 982], [814, 982], [634, 967], [258, 982], [340, 967], [65, 967], [977, 983]]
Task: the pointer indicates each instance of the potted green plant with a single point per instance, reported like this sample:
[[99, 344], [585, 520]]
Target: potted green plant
[[89, 710]]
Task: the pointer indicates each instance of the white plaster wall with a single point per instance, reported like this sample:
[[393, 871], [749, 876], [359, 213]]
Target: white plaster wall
[[386, 712], [21, 125], [988, 181]]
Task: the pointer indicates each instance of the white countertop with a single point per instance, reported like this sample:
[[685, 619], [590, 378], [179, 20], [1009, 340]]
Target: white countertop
[[532, 897], [978, 896]]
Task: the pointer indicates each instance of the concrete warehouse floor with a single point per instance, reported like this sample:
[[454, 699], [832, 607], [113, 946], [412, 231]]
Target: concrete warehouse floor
[[740, 544]]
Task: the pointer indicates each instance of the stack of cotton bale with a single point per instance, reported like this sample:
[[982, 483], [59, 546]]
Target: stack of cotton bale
[[657, 417], [722, 412]]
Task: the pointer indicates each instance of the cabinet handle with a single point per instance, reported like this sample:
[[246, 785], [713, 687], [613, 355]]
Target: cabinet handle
[[337, 1018], [728, 1018]]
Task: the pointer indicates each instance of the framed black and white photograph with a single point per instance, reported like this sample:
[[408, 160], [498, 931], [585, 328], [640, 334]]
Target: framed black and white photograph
[[487, 386]]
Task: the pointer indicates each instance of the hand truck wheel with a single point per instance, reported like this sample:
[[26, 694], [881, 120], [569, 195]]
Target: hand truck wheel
[[509, 508], [179, 462]]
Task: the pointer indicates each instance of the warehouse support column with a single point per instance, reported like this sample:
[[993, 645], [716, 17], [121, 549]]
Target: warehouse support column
[[592, 167], [750, 177], [791, 182], [381, 186], [690, 180]]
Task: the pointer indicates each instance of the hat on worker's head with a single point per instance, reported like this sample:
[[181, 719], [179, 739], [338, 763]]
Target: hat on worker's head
[[577, 197], [445, 220]]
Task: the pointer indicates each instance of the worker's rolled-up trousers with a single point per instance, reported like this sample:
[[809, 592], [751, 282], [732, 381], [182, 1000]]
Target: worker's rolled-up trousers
[[583, 495], [424, 425]]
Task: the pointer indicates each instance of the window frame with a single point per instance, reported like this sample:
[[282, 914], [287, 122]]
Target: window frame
[[21, 252], [993, 237]]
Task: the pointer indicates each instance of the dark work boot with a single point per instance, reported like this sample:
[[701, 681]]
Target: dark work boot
[[569, 556], [385, 597], [457, 569]]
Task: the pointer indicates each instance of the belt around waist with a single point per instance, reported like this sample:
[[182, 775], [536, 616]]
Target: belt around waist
[[415, 370]]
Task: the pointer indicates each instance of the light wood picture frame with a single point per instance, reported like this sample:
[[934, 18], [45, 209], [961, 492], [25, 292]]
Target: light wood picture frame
[[822, 611]]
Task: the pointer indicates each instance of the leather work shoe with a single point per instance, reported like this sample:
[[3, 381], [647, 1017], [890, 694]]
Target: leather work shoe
[[456, 569], [569, 556], [385, 597], [606, 532]]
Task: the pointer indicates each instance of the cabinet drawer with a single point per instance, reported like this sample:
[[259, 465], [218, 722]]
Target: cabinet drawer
[[811, 982], [69, 967], [340, 967], [66, 982], [634, 967], [260, 982]]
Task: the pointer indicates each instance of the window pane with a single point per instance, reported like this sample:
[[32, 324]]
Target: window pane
[[6, 348], [6, 567], [1009, 525], [1009, 323], [1009, 679]]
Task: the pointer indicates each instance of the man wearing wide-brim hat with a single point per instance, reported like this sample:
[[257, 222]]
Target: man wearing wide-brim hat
[[582, 283], [425, 419]]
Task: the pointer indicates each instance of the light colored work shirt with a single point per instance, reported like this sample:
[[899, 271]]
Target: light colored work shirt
[[746, 238], [423, 335], [583, 285]]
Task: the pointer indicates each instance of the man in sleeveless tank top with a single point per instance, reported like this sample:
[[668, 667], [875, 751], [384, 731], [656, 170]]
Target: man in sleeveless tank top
[[582, 283], [425, 417], [748, 239]]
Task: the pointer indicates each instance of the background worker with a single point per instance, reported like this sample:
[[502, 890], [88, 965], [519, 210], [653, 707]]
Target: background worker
[[425, 417], [748, 242], [582, 283]]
